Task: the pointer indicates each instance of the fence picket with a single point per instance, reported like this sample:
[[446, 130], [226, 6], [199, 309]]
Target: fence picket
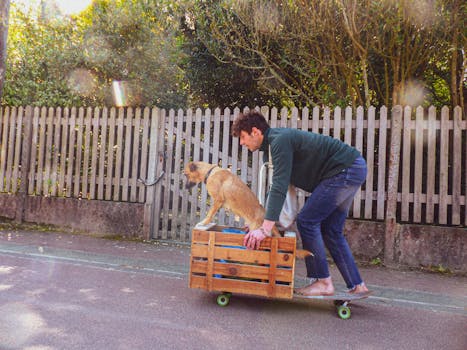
[[16, 176], [370, 156], [10, 148], [444, 166], [64, 120], [456, 167], [406, 150], [56, 151], [86, 154], [126, 148], [431, 166], [358, 145], [95, 149], [110, 155], [418, 165], [135, 157], [382, 148]]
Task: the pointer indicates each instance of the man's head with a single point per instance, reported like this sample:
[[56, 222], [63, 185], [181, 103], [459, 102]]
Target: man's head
[[250, 128]]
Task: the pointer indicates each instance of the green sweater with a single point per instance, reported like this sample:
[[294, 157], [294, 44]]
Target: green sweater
[[303, 159]]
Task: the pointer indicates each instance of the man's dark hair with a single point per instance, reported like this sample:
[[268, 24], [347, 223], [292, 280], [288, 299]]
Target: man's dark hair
[[248, 121]]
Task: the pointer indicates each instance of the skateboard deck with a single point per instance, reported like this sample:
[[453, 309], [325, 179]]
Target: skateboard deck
[[340, 296]]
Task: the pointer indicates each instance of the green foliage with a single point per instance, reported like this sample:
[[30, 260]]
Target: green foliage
[[75, 61], [226, 53]]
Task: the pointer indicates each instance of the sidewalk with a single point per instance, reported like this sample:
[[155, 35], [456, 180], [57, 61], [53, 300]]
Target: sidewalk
[[409, 289]]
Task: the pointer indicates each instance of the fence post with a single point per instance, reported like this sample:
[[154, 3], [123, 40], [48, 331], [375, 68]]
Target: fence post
[[391, 225], [26, 150], [153, 165]]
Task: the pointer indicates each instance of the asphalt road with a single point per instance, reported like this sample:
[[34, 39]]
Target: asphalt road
[[61, 291]]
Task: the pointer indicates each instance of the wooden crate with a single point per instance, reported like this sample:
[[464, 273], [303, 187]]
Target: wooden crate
[[219, 262]]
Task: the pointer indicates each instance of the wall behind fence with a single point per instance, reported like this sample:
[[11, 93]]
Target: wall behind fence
[[416, 158]]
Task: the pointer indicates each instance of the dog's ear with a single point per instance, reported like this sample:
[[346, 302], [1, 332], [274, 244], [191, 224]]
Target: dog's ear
[[192, 167]]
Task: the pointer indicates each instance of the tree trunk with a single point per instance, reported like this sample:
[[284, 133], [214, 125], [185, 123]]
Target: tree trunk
[[4, 14]]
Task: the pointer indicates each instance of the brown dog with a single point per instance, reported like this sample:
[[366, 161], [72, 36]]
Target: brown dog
[[230, 192]]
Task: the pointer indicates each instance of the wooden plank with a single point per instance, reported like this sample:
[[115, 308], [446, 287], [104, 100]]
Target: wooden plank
[[161, 162], [444, 167], [241, 287], [358, 145], [63, 152], [315, 120], [18, 140], [126, 148], [109, 183], [195, 200], [337, 123], [178, 171], [71, 153], [457, 167], [284, 117], [95, 150], [235, 148], [135, 159], [48, 151], [285, 244], [348, 126], [294, 118], [382, 148], [406, 155], [151, 213], [370, 160], [144, 154], [431, 166], [117, 181], [273, 121], [168, 178], [216, 136], [79, 154], [272, 268], [33, 159], [10, 150], [4, 143], [187, 136], [41, 151], [418, 166], [210, 256], [86, 158], [326, 121], [102, 154], [225, 153], [206, 132], [56, 151], [227, 269]]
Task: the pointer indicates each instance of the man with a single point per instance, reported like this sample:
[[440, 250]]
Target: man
[[328, 168]]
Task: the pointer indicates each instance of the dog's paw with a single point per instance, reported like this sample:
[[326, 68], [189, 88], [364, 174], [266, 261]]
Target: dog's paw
[[204, 227]]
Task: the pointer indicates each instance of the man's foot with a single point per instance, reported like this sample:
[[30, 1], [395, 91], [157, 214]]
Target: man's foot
[[319, 287], [359, 289]]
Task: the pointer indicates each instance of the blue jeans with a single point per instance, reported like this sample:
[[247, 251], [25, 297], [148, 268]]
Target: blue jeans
[[321, 223]]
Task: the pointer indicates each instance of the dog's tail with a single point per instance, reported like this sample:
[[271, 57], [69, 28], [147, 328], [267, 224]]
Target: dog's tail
[[302, 253]]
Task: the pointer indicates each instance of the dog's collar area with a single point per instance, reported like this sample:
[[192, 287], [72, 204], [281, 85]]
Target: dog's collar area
[[209, 173]]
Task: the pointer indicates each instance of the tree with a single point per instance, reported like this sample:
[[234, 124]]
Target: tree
[[4, 15], [340, 51]]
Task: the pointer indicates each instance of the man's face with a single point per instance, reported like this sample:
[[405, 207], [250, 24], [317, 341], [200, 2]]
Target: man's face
[[253, 140]]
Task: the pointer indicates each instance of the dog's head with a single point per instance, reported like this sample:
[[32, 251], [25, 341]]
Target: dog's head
[[193, 174]]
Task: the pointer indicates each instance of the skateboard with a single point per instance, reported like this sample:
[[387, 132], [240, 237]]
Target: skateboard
[[341, 300]]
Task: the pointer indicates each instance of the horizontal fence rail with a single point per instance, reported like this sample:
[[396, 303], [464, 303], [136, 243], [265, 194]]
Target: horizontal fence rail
[[100, 154]]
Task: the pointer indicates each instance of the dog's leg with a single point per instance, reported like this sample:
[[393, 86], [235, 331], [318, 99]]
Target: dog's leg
[[212, 211]]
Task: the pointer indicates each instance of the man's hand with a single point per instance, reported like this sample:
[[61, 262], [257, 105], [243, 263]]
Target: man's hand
[[254, 238]]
